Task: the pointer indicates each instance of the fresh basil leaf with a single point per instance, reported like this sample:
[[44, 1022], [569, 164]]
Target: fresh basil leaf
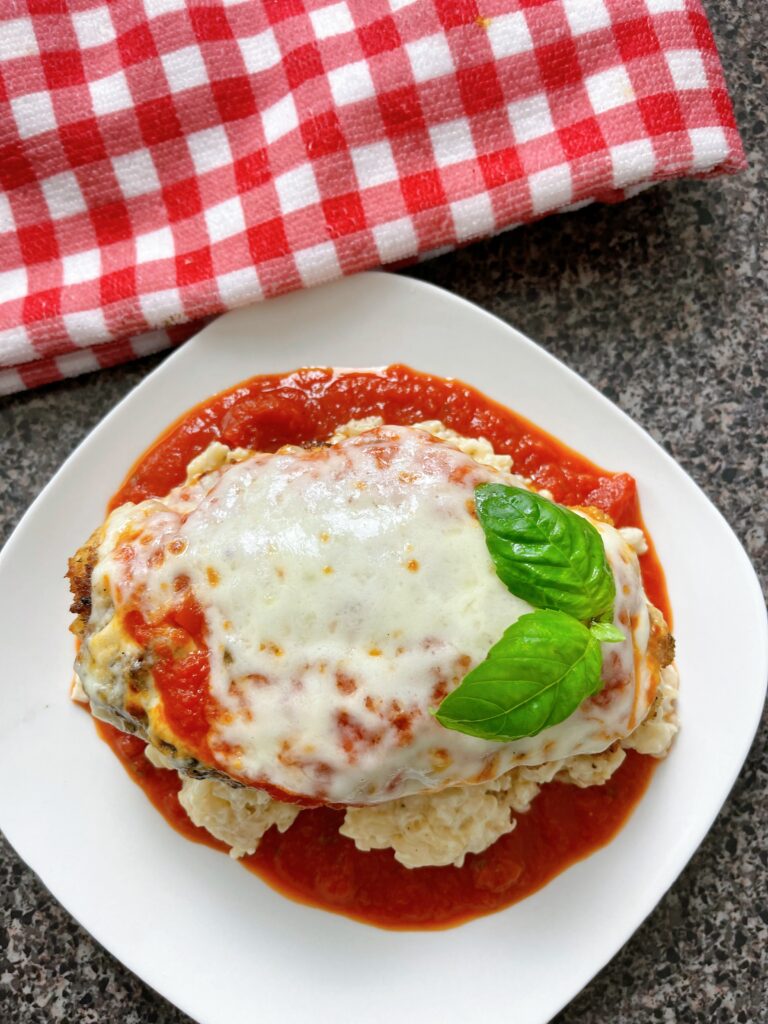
[[544, 553], [543, 667], [606, 633]]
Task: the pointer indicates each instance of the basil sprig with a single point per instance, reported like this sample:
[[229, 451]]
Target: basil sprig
[[544, 553], [535, 676], [550, 660]]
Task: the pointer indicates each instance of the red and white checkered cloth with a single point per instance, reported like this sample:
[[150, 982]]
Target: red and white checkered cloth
[[165, 160]]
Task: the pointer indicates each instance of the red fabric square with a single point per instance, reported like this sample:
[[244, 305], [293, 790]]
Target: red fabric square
[[111, 223], [322, 135], [42, 306], [661, 113], [47, 6], [559, 64], [15, 168], [581, 138], [344, 215], [422, 191], [158, 120], [118, 286], [252, 170], [82, 142], [279, 10], [136, 45], [480, 88], [62, 68], [457, 12], [302, 64], [194, 266], [267, 241], [501, 167], [234, 98], [702, 32], [401, 111], [182, 200], [379, 36], [38, 243], [210, 23], [722, 104], [636, 38]]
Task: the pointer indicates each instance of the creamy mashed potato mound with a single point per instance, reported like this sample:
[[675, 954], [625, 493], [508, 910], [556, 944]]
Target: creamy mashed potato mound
[[424, 829]]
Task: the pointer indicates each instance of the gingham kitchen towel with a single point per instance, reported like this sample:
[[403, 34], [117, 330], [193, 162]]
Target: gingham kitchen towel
[[164, 160]]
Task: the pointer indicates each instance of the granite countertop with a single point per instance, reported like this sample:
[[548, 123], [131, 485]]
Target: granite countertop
[[660, 302]]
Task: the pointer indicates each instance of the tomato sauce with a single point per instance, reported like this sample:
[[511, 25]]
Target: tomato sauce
[[311, 862]]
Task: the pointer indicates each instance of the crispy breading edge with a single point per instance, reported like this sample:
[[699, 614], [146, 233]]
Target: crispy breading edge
[[79, 572]]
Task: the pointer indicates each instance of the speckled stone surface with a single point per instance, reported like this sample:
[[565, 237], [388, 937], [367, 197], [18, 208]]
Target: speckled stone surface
[[662, 303]]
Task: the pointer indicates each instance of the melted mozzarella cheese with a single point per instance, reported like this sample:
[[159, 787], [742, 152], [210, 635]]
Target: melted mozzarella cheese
[[345, 591]]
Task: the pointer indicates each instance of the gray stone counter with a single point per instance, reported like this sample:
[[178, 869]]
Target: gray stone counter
[[661, 303]]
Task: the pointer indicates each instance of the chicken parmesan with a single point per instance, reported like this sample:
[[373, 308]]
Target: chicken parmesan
[[284, 613]]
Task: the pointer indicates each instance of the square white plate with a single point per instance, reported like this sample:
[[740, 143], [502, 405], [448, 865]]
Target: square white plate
[[207, 934]]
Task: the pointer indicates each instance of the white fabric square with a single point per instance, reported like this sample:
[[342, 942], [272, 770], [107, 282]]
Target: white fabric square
[[81, 266], [632, 161], [185, 68], [10, 380], [17, 39], [225, 219], [16, 346], [395, 240], [551, 188], [13, 284], [158, 306], [687, 69], [530, 118], [608, 89], [297, 189], [135, 173], [508, 34], [661, 6], [149, 342], [280, 118], [331, 21], [586, 15], [7, 220], [317, 264], [110, 94], [155, 8], [93, 27], [154, 245], [397, 5], [260, 52], [239, 286], [33, 113], [72, 364], [374, 164], [63, 196], [452, 142], [86, 326], [709, 145], [351, 83], [473, 217], [209, 149], [430, 57]]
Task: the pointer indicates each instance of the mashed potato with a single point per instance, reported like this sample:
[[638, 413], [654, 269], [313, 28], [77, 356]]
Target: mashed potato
[[427, 828]]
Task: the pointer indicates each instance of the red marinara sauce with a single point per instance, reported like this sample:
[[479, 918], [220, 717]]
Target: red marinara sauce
[[311, 862]]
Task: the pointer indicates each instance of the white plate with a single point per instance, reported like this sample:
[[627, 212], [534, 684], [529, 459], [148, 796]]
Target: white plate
[[207, 934]]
